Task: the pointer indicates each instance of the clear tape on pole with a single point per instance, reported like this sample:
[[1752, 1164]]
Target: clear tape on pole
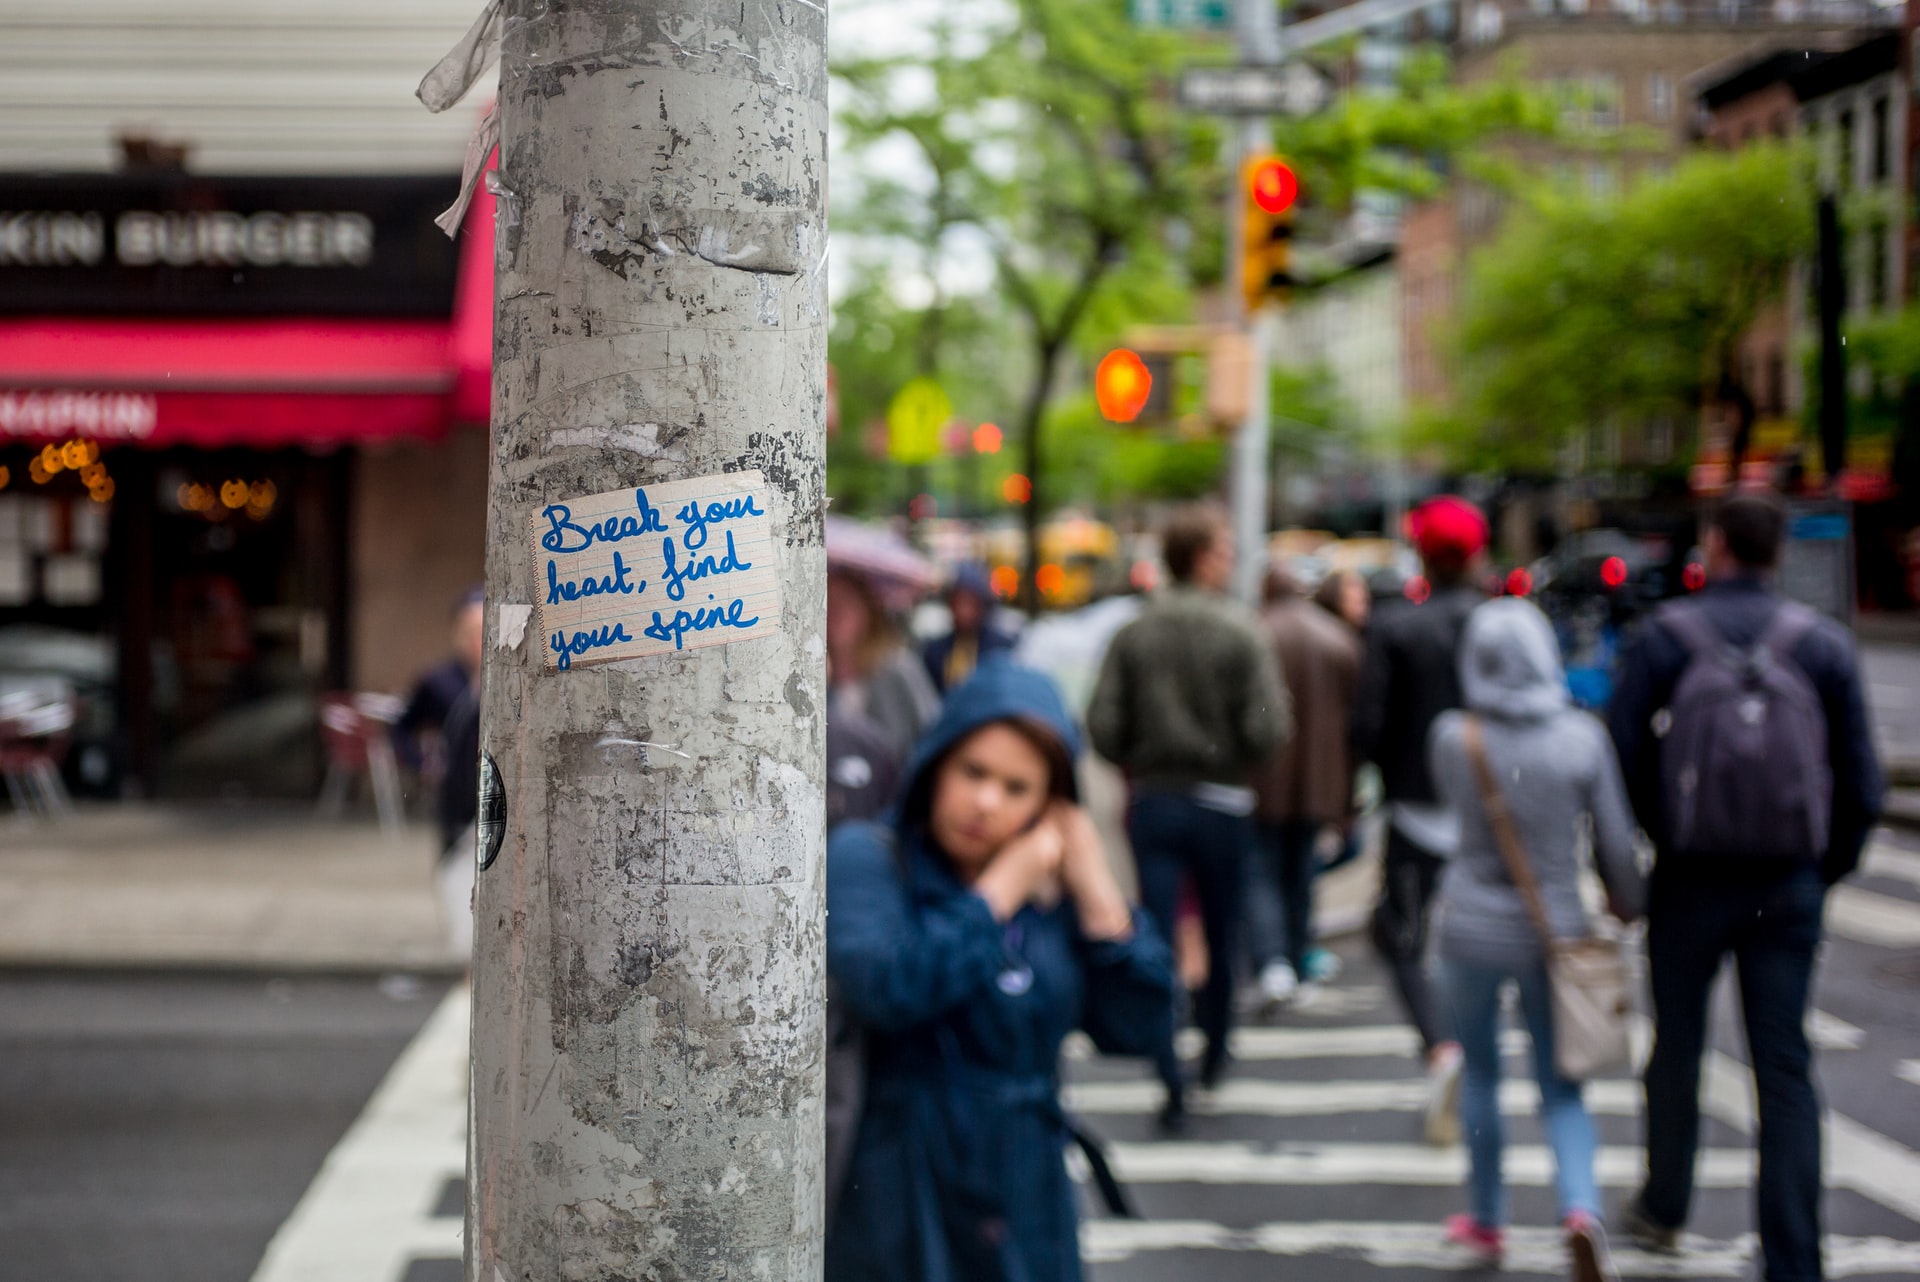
[[480, 145], [465, 63]]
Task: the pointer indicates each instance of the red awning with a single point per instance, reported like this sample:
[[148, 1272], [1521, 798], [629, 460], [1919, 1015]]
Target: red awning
[[259, 383]]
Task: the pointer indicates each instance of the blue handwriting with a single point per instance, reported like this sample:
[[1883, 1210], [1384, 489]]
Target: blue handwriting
[[704, 619], [592, 639], [561, 590], [696, 518], [564, 534], [706, 567]]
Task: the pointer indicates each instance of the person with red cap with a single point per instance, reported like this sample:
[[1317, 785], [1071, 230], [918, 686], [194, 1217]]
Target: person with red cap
[[1409, 677]]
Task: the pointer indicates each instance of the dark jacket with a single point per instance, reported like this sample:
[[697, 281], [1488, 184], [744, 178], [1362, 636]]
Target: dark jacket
[[1409, 677], [1311, 779], [1740, 609], [961, 1139], [937, 654], [1189, 693], [459, 793]]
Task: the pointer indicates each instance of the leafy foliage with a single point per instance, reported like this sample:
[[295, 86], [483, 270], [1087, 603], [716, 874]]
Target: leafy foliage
[[1583, 310]]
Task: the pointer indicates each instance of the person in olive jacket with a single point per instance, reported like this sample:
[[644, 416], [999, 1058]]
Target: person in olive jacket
[[967, 937], [1189, 700]]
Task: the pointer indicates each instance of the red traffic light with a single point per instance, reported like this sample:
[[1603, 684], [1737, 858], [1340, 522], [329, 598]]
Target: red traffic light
[[1121, 384], [1613, 572], [1272, 185], [1519, 581]]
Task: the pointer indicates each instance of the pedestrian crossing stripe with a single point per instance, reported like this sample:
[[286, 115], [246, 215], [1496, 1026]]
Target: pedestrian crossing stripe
[[1398, 1165], [1419, 1245], [1257, 1097], [1873, 918]]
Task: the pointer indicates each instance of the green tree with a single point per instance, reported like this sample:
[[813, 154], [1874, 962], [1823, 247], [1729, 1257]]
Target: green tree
[[1050, 150], [1583, 311]]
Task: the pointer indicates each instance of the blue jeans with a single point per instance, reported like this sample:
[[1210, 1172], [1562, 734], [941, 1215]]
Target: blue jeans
[[1473, 999], [1772, 928], [1173, 837], [1280, 895]]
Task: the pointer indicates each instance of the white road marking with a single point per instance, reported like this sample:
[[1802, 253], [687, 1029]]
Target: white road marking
[[1417, 1246], [1873, 918], [1259, 1097], [1908, 1070], [369, 1209], [1879, 1169], [1831, 1033], [1882, 860], [1421, 1165]]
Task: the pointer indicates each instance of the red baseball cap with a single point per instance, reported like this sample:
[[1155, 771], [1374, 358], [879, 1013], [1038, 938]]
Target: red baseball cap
[[1447, 526]]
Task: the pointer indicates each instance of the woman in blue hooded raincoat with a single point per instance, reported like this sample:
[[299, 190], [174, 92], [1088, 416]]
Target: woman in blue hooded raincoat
[[967, 938]]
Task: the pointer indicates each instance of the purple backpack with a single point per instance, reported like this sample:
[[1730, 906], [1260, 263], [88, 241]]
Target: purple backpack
[[1743, 755]]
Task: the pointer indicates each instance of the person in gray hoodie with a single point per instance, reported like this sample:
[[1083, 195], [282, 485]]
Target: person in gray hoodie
[[1555, 767]]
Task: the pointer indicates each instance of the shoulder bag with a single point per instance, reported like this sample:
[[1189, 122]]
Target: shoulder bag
[[1588, 977]]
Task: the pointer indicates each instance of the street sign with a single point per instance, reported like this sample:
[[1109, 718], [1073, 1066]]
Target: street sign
[[914, 420], [1291, 89], [1205, 15]]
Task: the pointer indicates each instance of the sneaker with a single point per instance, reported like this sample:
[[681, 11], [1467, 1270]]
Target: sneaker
[[1278, 984], [1443, 1095], [1488, 1244], [1645, 1232], [1587, 1246], [1322, 966], [1174, 1119]]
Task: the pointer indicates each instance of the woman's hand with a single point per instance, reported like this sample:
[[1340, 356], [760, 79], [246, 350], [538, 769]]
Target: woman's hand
[[1103, 910], [1024, 869]]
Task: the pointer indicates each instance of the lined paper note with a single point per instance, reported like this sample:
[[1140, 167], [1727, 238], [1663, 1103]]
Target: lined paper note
[[655, 569]]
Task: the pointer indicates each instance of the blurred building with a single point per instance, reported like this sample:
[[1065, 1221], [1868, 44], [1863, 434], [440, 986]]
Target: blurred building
[[241, 373], [1854, 102]]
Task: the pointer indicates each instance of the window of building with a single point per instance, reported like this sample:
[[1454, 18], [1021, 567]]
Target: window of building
[[1603, 182], [1605, 91], [1660, 96], [1843, 151], [1659, 440], [1882, 141], [1877, 263]]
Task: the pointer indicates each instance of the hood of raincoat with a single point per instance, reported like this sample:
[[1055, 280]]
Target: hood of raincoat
[[998, 689], [1510, 662]]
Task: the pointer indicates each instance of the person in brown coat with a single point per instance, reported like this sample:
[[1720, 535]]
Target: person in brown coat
[[1304, 788]]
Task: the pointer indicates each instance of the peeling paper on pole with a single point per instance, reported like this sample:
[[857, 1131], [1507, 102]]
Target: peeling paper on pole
[[510, 628], [480, 145], [465, 63]]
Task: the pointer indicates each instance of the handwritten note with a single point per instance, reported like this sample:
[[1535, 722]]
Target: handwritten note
[[655, 569]]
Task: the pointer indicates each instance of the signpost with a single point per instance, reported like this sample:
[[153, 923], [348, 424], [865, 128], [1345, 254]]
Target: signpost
[[1291, 89]]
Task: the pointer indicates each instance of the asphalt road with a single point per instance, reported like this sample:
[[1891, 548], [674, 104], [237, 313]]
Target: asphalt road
[[159, 1128]]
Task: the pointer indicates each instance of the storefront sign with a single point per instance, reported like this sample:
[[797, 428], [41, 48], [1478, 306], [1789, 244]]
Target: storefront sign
[[186, 244], [106, 416], [655, 569]]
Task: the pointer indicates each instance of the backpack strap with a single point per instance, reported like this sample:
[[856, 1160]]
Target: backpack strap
[[1506, 833], [1690, 623], [1790, 622]]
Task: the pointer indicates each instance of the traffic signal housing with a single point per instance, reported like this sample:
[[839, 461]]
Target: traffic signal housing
[[1268, 190]]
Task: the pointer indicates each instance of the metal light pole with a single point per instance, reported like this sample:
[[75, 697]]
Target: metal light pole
[[1257, 29], [648, 984]]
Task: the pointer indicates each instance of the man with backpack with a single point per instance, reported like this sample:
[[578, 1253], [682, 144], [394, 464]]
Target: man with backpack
[[1743, 738]]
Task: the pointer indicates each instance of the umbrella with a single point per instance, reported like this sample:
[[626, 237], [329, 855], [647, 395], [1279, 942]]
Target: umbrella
[[898, 574]]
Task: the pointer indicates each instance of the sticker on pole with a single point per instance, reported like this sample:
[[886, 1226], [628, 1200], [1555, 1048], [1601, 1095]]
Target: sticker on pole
[[655, 569]]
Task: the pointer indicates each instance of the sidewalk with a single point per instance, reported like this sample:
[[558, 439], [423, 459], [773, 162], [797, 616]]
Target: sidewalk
[[130, 884]]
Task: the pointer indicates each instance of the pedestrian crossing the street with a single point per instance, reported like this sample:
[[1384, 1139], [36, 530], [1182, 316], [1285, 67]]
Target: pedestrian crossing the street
[[1306, 1162]]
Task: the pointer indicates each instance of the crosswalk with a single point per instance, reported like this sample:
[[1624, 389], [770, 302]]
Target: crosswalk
[[1305, 1163]]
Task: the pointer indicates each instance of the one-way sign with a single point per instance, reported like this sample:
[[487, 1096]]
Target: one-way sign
[[1292, 89]]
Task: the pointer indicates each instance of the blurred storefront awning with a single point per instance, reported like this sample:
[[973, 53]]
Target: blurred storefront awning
[[256, 383]]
